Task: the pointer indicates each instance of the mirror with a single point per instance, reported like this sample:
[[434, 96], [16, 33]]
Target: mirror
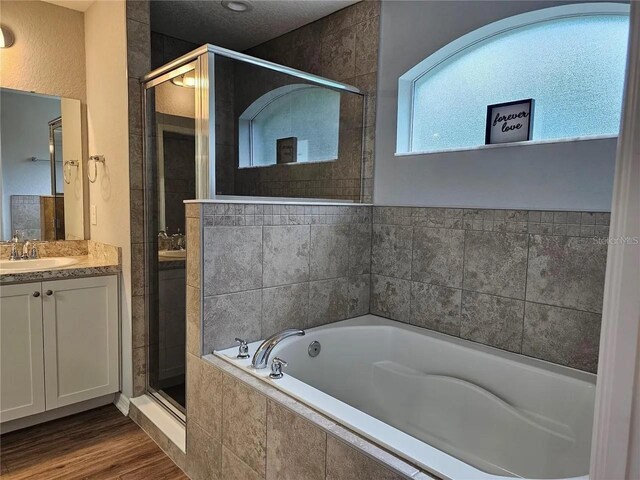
[[41, 167], [281, 135]]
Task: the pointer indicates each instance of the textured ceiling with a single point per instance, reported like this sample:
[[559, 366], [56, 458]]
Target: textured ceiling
[[80, 5], [203, 22]]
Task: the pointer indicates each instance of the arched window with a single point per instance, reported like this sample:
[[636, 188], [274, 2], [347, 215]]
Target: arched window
[[309, 113], [569, 59]]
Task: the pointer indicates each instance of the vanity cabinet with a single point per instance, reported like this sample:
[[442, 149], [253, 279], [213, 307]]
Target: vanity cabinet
[[21, 352], [59, 344]]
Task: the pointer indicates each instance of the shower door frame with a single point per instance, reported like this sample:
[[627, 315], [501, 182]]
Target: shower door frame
[[204, 60]]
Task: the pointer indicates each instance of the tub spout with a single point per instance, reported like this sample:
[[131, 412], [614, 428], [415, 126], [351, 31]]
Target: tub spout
[[261, 357]]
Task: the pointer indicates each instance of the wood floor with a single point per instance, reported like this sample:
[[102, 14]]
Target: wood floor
[[97, 445]]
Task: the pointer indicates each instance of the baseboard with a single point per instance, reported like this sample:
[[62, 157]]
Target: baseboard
[[31, 420], [122, 403]]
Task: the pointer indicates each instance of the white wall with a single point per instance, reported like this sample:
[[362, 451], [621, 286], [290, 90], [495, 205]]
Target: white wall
[[567, 175], [25, 134], [107, 119]]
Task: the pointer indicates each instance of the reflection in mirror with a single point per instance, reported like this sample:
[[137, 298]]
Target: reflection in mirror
[[171, 168], [41, 167], [278, 135]]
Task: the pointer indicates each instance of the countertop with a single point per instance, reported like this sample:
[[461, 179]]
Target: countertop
[[87, 266]]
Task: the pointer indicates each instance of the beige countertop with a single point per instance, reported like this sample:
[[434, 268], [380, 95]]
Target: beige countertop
[[86, 266]]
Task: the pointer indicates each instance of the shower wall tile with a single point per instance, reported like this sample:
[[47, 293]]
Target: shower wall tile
[[234, 259], [360, 249], [496, 263], [193, 238], [391, 250], [194, 321], [366, 46], [290, 269], [567, 272], [390, 297], [328, 301], [436, 307], [359, 295], [437, 256], [284, 307], [495, 321], [329, 251], [286, 255], [229, 316], [338, 56], [342, 46], [562, 335]]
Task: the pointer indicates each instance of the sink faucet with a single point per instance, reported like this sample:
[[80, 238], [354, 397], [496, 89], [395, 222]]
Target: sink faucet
[[261, 357]]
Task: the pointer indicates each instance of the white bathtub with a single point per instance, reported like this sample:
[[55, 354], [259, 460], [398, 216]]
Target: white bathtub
[[455, 408]]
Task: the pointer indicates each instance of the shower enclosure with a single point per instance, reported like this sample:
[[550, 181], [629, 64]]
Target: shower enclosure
[[220, 123]]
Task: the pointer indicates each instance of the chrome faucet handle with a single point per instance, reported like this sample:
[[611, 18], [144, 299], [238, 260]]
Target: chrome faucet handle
[[243, 349], [14, 255], [277, 364], [33, 254]]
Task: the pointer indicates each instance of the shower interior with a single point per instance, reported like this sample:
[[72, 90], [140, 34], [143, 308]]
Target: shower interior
[[220, 123]]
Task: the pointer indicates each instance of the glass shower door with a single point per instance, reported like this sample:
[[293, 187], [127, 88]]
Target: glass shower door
[[171, 179]]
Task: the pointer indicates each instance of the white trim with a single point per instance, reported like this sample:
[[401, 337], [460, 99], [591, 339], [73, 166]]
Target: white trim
[[614, 454], [122, 403], [511, 144], [166, 423], [406, 82]]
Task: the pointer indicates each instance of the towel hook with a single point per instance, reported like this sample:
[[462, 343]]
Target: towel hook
[[66, 171], [96, 159]]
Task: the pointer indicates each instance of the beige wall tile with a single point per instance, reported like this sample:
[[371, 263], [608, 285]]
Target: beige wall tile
[[204, 454], [346, 463], [234, 468], [245, 423], [204, 387], [296, 449]]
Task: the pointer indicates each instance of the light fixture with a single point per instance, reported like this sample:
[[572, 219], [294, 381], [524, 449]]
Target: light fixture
[[6, 37], [187, 80], [238, 6]]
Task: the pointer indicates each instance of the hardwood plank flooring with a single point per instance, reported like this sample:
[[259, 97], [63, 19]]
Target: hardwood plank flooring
[[100, 444]]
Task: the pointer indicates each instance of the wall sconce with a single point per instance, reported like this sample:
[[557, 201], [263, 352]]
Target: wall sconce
[[6, 37]]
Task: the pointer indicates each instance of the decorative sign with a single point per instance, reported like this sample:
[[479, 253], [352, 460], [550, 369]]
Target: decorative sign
[[509, 122], [286, 150]]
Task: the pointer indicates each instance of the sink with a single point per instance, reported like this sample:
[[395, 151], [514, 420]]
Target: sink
[[174, 254], [49, 263]]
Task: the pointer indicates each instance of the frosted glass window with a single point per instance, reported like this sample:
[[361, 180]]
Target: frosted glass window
[[572, 67], [311, 114]]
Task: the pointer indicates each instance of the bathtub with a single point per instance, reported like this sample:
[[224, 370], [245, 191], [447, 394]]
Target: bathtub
[[457, 409]]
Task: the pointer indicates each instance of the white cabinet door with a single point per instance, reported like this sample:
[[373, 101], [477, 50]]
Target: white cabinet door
[[21, 356], [80, 318]]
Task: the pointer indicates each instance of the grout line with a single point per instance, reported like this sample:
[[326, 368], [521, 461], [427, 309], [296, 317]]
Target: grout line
[[526, 280], [496, 295]]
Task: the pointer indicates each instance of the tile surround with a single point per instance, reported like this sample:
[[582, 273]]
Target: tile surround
[[288, 266], [549, 259]]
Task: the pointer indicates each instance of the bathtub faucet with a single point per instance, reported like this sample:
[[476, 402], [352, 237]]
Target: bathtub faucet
[[261, 357]]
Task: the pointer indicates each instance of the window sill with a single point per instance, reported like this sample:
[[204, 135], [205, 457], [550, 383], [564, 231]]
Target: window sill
[[506, 145], [287, 164]]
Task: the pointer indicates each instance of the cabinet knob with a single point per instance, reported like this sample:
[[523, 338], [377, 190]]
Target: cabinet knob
[[49, 293], [36, 294]]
